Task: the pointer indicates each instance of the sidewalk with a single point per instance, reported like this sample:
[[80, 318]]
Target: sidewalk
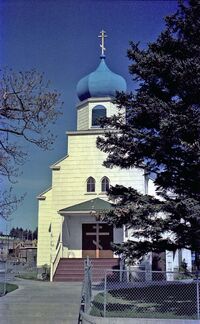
[[41, 303]]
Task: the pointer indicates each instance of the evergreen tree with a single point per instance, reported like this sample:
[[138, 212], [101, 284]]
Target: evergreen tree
[[35, 234], [13, 232], [162, 136], [30, 235], [23, 234]]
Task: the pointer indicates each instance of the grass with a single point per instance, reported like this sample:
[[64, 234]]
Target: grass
[[32, 275], [9, 288], [165, 301]]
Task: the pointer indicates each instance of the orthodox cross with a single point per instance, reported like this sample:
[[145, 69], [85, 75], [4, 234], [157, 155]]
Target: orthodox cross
[[102, 36], [97, 233]]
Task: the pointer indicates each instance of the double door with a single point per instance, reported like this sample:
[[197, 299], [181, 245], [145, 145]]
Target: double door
[[96, 240]]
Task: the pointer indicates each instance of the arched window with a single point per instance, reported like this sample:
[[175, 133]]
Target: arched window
[[105, 184], [90, 184], [98, 112]]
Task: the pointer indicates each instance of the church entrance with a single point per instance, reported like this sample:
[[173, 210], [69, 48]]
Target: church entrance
[[96, 239]]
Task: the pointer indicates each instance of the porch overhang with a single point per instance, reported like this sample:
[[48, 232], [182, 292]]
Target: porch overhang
[[89, 207]]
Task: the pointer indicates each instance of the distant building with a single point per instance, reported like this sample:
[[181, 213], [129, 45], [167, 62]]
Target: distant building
[[28, 254], [11, 247], [6, 244]]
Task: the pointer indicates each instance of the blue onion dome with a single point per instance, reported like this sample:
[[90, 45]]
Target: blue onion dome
[[100, 83]]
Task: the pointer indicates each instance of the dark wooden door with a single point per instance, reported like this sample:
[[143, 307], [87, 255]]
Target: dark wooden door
[[96, 239]]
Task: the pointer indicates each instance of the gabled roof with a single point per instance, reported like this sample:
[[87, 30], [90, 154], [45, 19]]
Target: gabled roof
[[55, 166], [42, 196], [88, 206]]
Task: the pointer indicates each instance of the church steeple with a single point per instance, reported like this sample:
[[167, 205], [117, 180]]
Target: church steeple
[[102, 82], [96, 91]]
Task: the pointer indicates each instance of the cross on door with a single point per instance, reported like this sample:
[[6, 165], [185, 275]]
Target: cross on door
[[97, 233]]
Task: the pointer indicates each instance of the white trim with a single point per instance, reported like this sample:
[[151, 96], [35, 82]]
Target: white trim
[[90, 193], [93, 99], [86, 132], [41, 195], [54, 166], [89, 212]]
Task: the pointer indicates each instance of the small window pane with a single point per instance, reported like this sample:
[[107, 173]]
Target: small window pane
[[97, 113], [105, 184], [126, 231], [90, 185]]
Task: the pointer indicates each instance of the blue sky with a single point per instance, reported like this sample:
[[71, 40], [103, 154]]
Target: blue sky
[[60, 38]]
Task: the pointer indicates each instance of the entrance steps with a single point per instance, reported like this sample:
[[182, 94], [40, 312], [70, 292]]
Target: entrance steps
[[73, 269]]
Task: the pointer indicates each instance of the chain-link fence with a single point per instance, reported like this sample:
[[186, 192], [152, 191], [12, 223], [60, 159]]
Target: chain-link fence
[[86, 292], [134, 293], [87, 285]]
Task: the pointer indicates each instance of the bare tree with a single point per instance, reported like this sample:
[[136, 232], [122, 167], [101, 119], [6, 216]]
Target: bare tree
[[27, 108]]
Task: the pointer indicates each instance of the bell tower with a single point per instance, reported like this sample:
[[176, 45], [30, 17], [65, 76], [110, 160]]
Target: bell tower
[[96, 92]]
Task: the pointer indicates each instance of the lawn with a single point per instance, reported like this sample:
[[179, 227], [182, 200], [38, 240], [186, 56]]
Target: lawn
[[9, 288], [31, 275], [171, 301]]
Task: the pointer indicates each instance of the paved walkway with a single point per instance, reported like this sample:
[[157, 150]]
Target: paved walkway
[[41, 303]]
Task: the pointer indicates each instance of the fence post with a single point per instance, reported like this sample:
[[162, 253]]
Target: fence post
[[86, 285], [5, 278], [90, 279], [105, 297], [128, 273], [87, 291], [87, 261], [197, 297], [122, 266]]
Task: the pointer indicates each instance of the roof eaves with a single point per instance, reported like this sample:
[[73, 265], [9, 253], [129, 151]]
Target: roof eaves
[[93, 99], [67, 212], [42, 196], [56, 167], [86, 207], [98, 131]]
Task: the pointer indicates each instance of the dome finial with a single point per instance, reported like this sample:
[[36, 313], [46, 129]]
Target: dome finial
[[102, 36]]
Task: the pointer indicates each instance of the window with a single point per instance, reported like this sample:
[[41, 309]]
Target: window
[[125, 231], [98, 112], [105, 184], [90, 184]]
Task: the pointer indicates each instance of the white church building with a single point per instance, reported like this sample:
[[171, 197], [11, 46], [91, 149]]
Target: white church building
[[68, 223]]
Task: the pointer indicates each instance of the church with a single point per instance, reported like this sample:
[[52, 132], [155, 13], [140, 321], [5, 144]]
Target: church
[[68, 223]]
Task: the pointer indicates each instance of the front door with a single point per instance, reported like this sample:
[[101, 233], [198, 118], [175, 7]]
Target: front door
[[96, 239]]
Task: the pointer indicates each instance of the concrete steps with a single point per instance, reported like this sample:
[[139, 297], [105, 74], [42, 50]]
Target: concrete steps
[[73, 269]]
